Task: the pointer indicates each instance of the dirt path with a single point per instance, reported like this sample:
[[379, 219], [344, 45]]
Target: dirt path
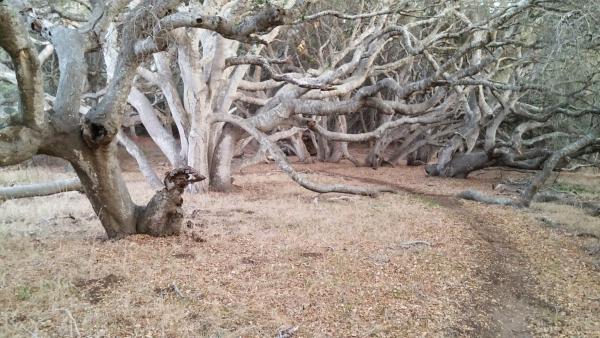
[[509, 302]]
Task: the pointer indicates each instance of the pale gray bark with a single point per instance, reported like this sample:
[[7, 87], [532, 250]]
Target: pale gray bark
[[380, 131], [284, 165], [477, 196], [551, 163], [165, 81], [93, 152], [299, 148], [20, 142], [221, 162], [40, 189], [140, 158], [165, 140]]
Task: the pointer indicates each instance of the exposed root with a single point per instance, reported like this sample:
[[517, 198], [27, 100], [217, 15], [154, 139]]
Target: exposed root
[[474, 195]]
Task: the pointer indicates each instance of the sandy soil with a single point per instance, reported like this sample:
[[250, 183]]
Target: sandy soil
[[272, 255]]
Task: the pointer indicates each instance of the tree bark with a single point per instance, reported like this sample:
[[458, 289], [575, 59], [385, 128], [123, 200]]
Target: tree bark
[[285, 166], [163, 215], [300, 148], [220, 171], [140, 158], [165, 140], [551, 163], [461, 165]]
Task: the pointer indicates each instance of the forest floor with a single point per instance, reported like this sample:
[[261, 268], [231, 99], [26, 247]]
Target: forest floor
[[271, 256]]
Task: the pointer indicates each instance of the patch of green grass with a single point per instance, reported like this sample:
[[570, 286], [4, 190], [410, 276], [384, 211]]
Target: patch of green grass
[[574, 188], [429, 202], [23, 293]]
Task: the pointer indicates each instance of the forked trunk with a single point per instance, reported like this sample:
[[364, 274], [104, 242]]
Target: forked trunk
[[102, 181]]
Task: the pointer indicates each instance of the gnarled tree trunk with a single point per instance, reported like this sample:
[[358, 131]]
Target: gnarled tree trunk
[[89, 144], [461, 165]]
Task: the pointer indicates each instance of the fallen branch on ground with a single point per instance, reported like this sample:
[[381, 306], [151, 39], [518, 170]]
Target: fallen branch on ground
[[591, 208], [343, 198], [560, 198], [408, 244], [286, 333], [552, 162], [474, 195], [579, 166]]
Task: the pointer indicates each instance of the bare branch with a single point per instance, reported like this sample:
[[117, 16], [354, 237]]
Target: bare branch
[[40, 189], [551, 164], [341, 15], [266, 65], [473, 195], [284, 165], [245, 30], [379, 132]]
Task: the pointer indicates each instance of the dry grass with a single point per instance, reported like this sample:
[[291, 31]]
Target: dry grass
[[569, 218], [273, 255], [29, 174]]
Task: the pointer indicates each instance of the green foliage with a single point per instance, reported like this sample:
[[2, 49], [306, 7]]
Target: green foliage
[[8, 103], [262, 2], [429, 202], [23, 293], [574, 188]]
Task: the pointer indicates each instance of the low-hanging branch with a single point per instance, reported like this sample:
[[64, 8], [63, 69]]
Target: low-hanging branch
[[530, 192], [380, 131], [285, 166], [245, 30], [40, 189], [551, 163]]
